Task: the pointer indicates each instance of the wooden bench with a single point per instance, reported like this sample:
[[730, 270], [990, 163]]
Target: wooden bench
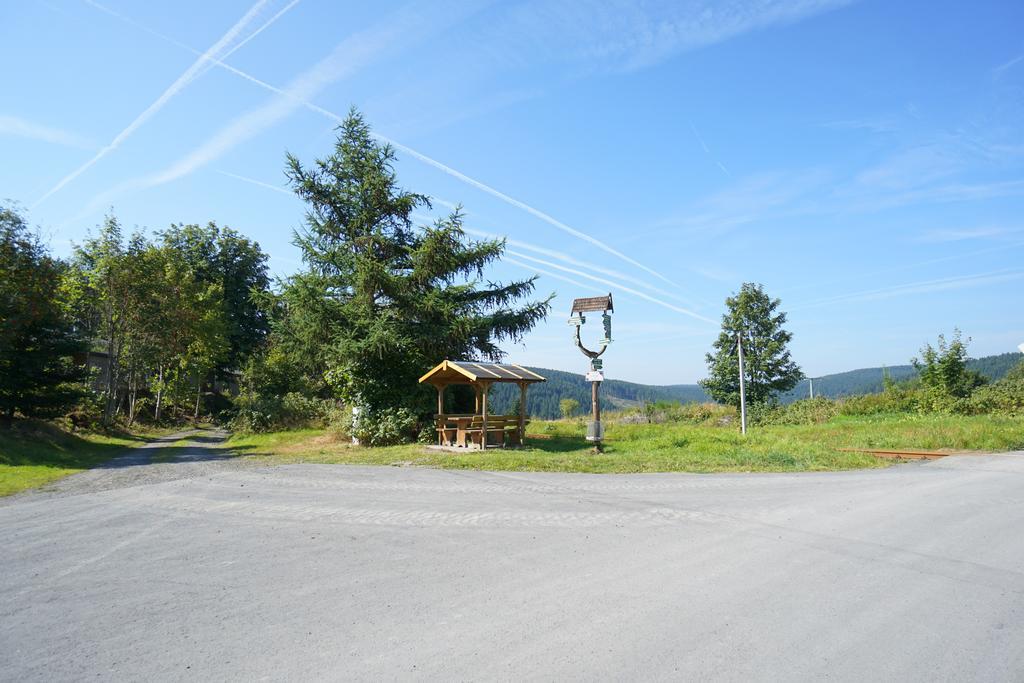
[[507, 426], [447, 427], [514, 437]]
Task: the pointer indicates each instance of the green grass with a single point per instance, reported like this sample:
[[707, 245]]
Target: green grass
[[672, 447], [36, 453]]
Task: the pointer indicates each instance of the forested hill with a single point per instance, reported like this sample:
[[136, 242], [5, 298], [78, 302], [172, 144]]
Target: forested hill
[[543, 397], [869, 380]]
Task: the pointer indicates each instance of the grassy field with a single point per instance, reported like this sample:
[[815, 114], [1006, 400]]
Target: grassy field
[[672, 447], [35, 453]]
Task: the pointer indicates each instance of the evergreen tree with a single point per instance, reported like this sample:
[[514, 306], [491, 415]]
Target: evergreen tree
[[768, 367], [381, 300], [38, 373]]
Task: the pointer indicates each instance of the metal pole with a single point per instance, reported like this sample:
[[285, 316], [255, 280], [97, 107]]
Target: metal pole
[[743, 390], [595, 404], [811, 380]]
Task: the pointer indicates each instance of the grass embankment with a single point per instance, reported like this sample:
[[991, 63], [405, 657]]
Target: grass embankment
[[35, 453], [671, 447]]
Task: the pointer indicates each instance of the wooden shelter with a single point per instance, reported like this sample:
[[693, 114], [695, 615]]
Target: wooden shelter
[[460, 430]]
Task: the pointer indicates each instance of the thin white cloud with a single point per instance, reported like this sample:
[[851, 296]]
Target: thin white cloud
[[962, 234], [624, 35], [871, 125], [215, 51], [13, 126], [922, 287], [912, 168], [904, 267], [751, 199]]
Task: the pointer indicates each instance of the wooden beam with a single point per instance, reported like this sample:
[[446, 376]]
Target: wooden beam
[[483, 422], [440, 414], [522, 412]]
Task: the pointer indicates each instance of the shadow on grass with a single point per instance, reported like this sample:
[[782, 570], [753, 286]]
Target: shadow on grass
[[33, 443], [556, 443]]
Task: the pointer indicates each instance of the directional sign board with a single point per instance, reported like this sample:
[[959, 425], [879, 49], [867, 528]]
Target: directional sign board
[[577, 320], [597, 364], [595, 376]]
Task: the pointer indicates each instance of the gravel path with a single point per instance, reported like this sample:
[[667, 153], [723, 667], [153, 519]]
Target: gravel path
[[211, 569], [187, 454]]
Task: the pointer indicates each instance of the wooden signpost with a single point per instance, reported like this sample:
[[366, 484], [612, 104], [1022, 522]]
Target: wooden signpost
[[595, 432]]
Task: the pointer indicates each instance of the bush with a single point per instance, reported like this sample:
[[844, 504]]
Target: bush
[[895, 399], [256, 413], [671, 411], [1005, 397], [384, 427], [803, 412]]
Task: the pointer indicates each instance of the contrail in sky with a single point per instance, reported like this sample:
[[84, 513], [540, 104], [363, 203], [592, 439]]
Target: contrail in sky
[[545, 272], [259, 183], [187, 77], [521, 205], [425, 159], [610, 283], [707, 150], [576, 262]]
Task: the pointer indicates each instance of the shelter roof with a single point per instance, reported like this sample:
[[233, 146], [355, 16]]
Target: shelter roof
[[468, 372]]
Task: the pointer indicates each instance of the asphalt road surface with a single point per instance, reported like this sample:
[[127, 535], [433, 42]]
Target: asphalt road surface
[[203, 568]]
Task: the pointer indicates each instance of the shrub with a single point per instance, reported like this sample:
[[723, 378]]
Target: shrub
[[256, 413], [895, 399], [671, 411], [384, 427], [803, 412], [1005, 397]]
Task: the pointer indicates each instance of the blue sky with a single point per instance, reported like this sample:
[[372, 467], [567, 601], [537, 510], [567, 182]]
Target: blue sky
[[863, 160]]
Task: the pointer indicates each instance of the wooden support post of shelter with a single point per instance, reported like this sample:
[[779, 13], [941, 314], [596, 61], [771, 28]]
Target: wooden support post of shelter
[[481, 425]]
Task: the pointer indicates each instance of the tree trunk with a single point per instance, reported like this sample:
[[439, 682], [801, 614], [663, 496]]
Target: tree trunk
[[199, 395], [108, 407], [133, 392], [159, 395]]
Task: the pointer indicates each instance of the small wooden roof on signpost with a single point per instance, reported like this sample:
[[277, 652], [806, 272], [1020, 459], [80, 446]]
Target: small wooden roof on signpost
[[593, 303], [468, 372]]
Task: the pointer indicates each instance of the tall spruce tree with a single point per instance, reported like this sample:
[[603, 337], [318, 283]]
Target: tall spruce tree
[[382, 300], [768, 367], [38, 374]]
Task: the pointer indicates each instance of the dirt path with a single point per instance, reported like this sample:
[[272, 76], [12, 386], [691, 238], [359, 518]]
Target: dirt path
[[187, 454]]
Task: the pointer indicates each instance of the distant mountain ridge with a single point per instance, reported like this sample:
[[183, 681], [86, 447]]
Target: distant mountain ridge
[[543, 398]]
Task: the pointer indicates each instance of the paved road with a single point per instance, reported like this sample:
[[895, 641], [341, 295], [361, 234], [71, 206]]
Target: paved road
[[213, 570]]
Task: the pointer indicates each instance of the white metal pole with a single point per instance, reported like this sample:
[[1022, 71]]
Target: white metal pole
[[743, 391], [811, 380]]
